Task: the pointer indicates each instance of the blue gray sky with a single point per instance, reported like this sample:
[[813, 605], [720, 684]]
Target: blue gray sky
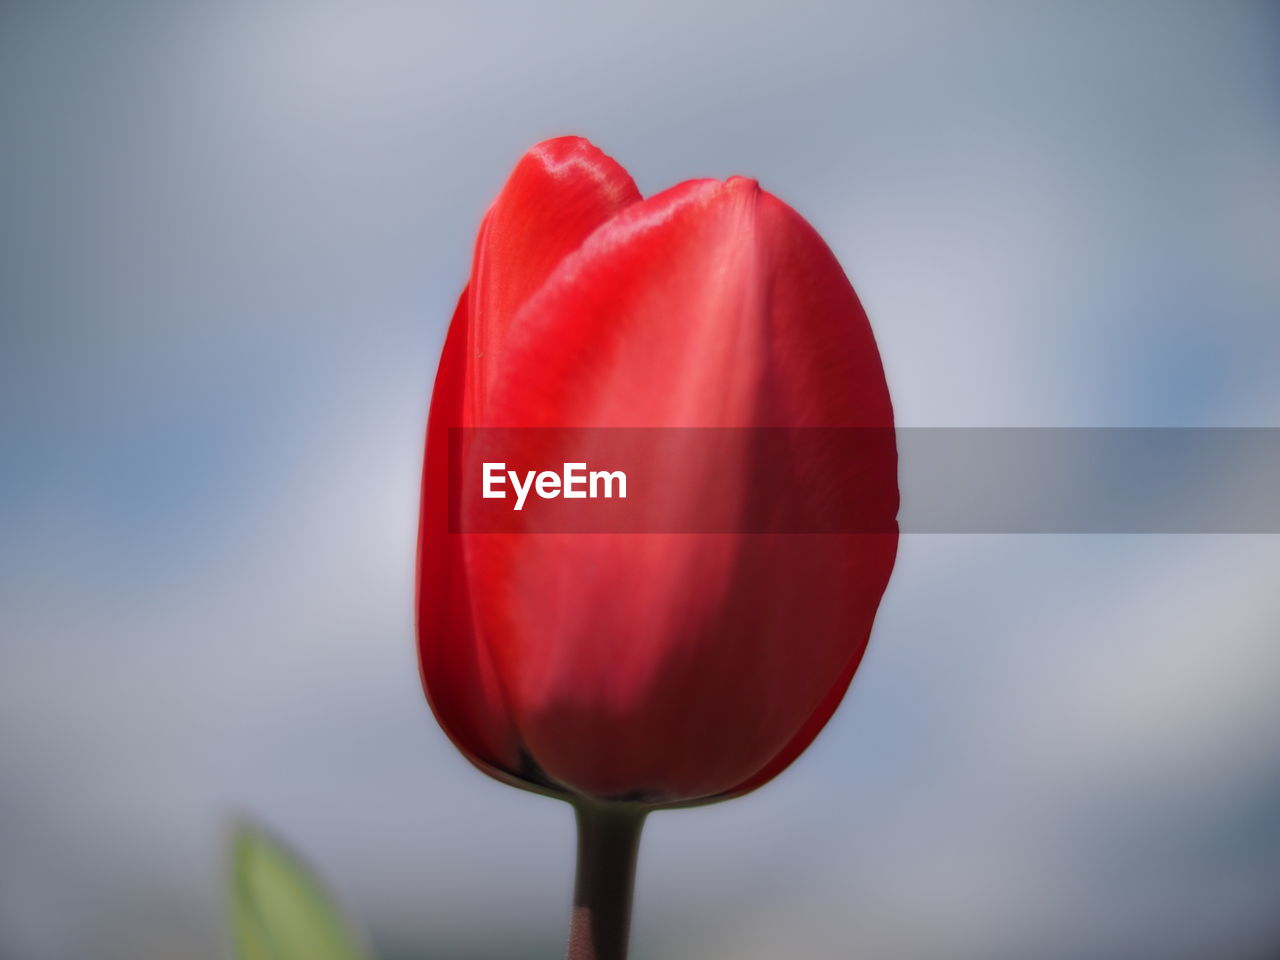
[[230, 238]]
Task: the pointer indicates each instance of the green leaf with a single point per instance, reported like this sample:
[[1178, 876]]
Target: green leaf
[[279, 908]]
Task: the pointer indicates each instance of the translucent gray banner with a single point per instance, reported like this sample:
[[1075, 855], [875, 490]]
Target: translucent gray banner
[[1089, 480], [842, 480]]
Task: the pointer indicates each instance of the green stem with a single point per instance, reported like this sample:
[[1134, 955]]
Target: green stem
[[608, 841]]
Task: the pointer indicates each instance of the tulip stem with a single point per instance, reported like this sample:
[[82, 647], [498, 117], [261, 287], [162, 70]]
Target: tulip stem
[[608, 841]]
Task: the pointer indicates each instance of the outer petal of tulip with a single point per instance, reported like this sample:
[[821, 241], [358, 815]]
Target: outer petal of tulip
[[669, 667], [559, 193], [457, 673]]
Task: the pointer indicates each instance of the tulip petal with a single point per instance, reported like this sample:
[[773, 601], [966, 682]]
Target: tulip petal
[[560, 191], [457, 673], [669, 667], [805, 735]]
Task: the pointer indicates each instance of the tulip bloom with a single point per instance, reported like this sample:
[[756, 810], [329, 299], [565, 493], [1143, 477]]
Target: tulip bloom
[[633, 671]]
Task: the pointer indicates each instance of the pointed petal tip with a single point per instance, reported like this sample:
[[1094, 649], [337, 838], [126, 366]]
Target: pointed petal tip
[[563, 143], [558, 153]]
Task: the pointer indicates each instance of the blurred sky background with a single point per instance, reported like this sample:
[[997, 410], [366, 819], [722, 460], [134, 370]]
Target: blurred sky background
[[230, 237]]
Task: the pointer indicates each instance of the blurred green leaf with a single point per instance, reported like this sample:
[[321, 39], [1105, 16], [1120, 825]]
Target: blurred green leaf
[[279, 908]]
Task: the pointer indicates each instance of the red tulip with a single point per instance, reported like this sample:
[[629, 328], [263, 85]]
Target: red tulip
[[628, 671]]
